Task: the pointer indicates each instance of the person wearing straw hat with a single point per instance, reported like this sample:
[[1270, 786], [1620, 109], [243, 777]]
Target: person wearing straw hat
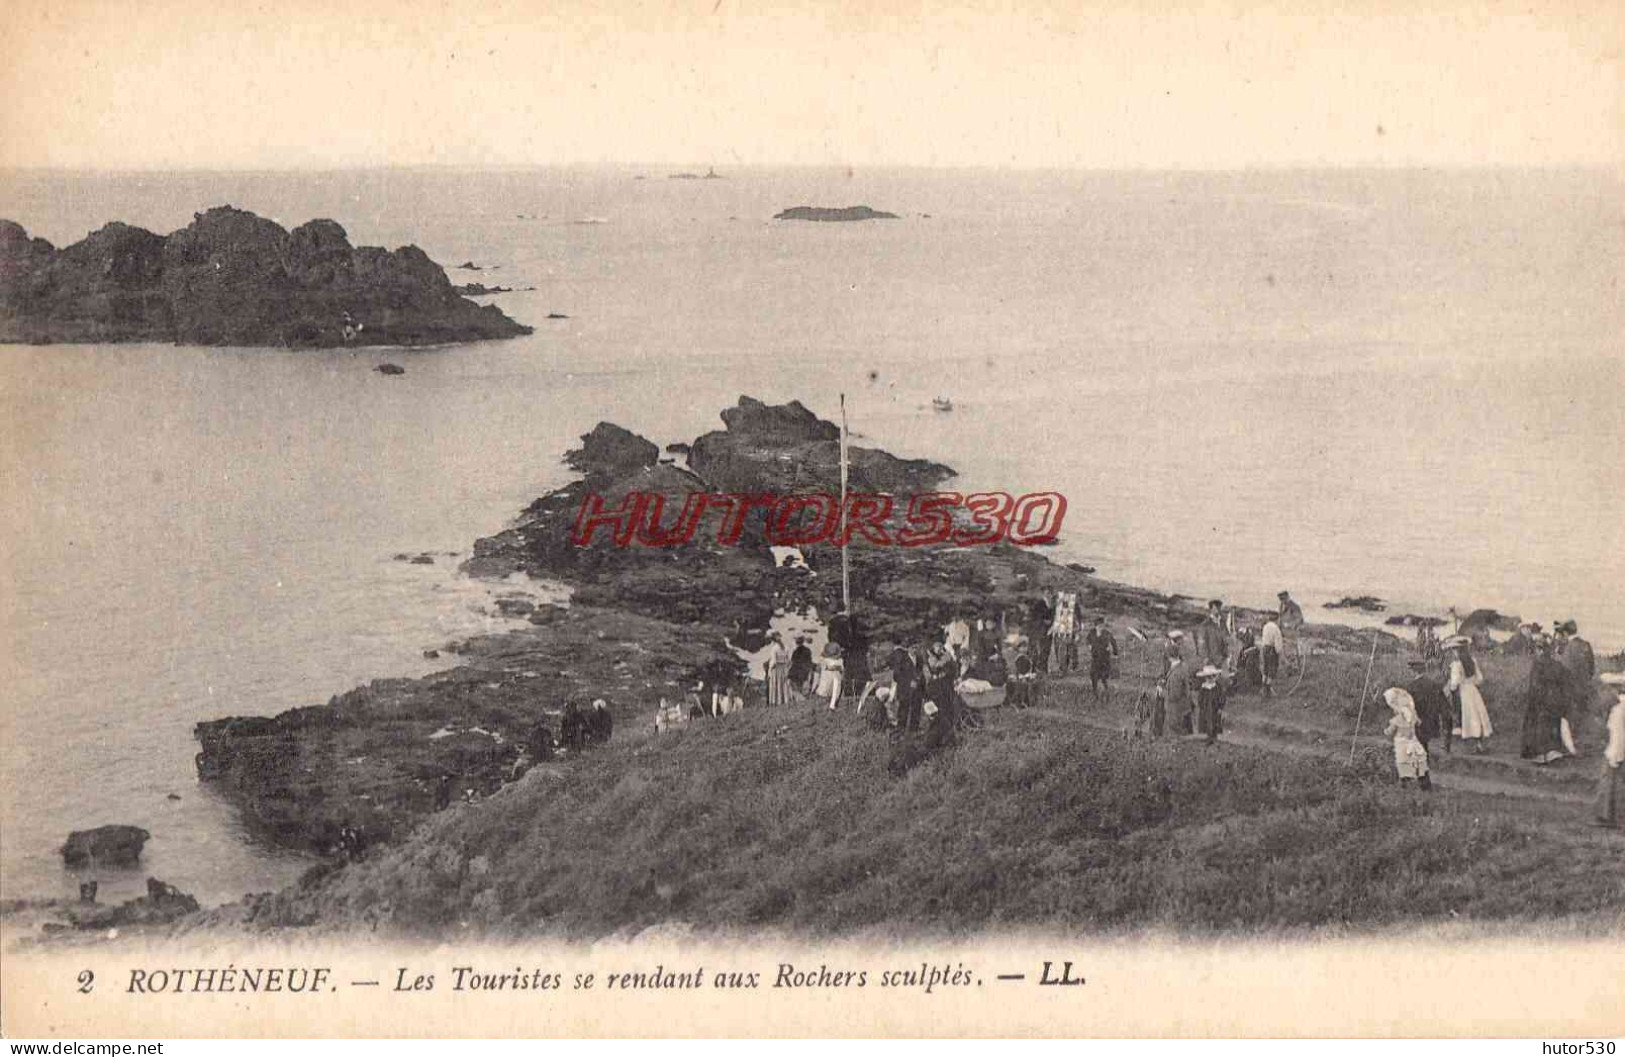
[[1473, 718], [1210, 701], [1607, 802], [1410, 755]]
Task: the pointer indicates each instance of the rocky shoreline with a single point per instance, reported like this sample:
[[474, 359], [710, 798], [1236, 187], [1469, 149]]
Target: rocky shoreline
[[643, 622], [232, 278]]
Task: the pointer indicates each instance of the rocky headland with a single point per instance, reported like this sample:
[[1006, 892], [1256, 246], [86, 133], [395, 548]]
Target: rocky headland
[[829, 213], [232, 278], [642, 622]]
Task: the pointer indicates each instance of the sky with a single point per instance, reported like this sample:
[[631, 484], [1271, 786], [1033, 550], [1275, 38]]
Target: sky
[[1030, 83]]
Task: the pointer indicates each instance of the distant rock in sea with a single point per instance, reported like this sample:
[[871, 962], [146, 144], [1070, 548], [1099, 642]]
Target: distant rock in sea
[[480, 289], [232, 278], [390, 368], [105, 846], [1364, 603], [828, 213]]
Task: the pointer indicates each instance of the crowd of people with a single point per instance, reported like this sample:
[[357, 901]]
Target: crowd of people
[[1568, 709], [929, 687]]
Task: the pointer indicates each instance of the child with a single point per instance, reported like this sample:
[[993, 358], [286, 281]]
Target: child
[[1410, 757]]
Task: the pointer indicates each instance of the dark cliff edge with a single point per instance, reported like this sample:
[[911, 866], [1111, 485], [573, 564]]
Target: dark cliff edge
[[829, 213], [232, 278]]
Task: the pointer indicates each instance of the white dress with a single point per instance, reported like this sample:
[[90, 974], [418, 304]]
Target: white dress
[[1475, 718]]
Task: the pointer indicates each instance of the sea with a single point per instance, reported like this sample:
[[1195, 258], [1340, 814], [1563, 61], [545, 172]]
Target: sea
[[1404, 384]]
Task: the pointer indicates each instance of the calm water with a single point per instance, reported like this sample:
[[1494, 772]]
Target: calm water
[[1402, 384]]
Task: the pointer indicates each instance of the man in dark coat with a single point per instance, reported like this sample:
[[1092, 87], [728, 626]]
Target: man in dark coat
[[1212, 641], [1578, 659], [1102, 650], [1040, 615], [573, 727], [908, 689], [801, 666], [1434, 713], [847, 633]]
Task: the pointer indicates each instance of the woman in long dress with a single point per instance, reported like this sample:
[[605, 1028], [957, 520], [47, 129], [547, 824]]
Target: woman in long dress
[[1546, 698], [1465, 678]]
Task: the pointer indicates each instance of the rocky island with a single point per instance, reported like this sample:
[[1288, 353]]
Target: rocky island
[[828, 213], [232, 278]]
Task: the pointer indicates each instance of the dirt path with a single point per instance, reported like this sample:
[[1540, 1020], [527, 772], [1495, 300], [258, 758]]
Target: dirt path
[[1561, 796]]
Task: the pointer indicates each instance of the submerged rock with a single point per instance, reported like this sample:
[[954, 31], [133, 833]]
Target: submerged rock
[[105, 846]]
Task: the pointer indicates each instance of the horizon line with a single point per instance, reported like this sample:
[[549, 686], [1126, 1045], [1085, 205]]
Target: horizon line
[[1614, 168]]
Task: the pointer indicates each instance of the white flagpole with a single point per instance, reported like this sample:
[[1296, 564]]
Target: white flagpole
[[846, 572]]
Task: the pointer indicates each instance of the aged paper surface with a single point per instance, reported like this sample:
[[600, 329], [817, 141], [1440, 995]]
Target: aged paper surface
[[1120, 238]]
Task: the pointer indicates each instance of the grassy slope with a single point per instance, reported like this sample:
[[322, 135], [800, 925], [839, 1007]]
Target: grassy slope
[[788, 819]]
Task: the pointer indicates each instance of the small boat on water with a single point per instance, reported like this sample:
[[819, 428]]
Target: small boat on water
[[942, 403]]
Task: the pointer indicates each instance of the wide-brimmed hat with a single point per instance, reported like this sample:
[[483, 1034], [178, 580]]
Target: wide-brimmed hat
[[1281, 594], [1207, 671], [1456, 641], [1568, 627]]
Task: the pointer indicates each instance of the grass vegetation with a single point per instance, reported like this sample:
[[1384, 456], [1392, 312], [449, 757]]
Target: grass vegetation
[[787, 819]]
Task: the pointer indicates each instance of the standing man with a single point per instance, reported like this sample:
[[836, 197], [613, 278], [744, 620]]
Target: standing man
[[1581, 664], [1102, 649], [1039, 615], [1212, 641], [1270, 646], [1291, 616]]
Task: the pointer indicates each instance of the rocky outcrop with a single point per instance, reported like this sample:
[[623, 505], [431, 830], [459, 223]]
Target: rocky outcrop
[[105, 846], [232, 278], [833, 214], [610, 452], [787, 449], [1412, 620], [382, 756], [1364, 603], [163, 903], [1480, 622]]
